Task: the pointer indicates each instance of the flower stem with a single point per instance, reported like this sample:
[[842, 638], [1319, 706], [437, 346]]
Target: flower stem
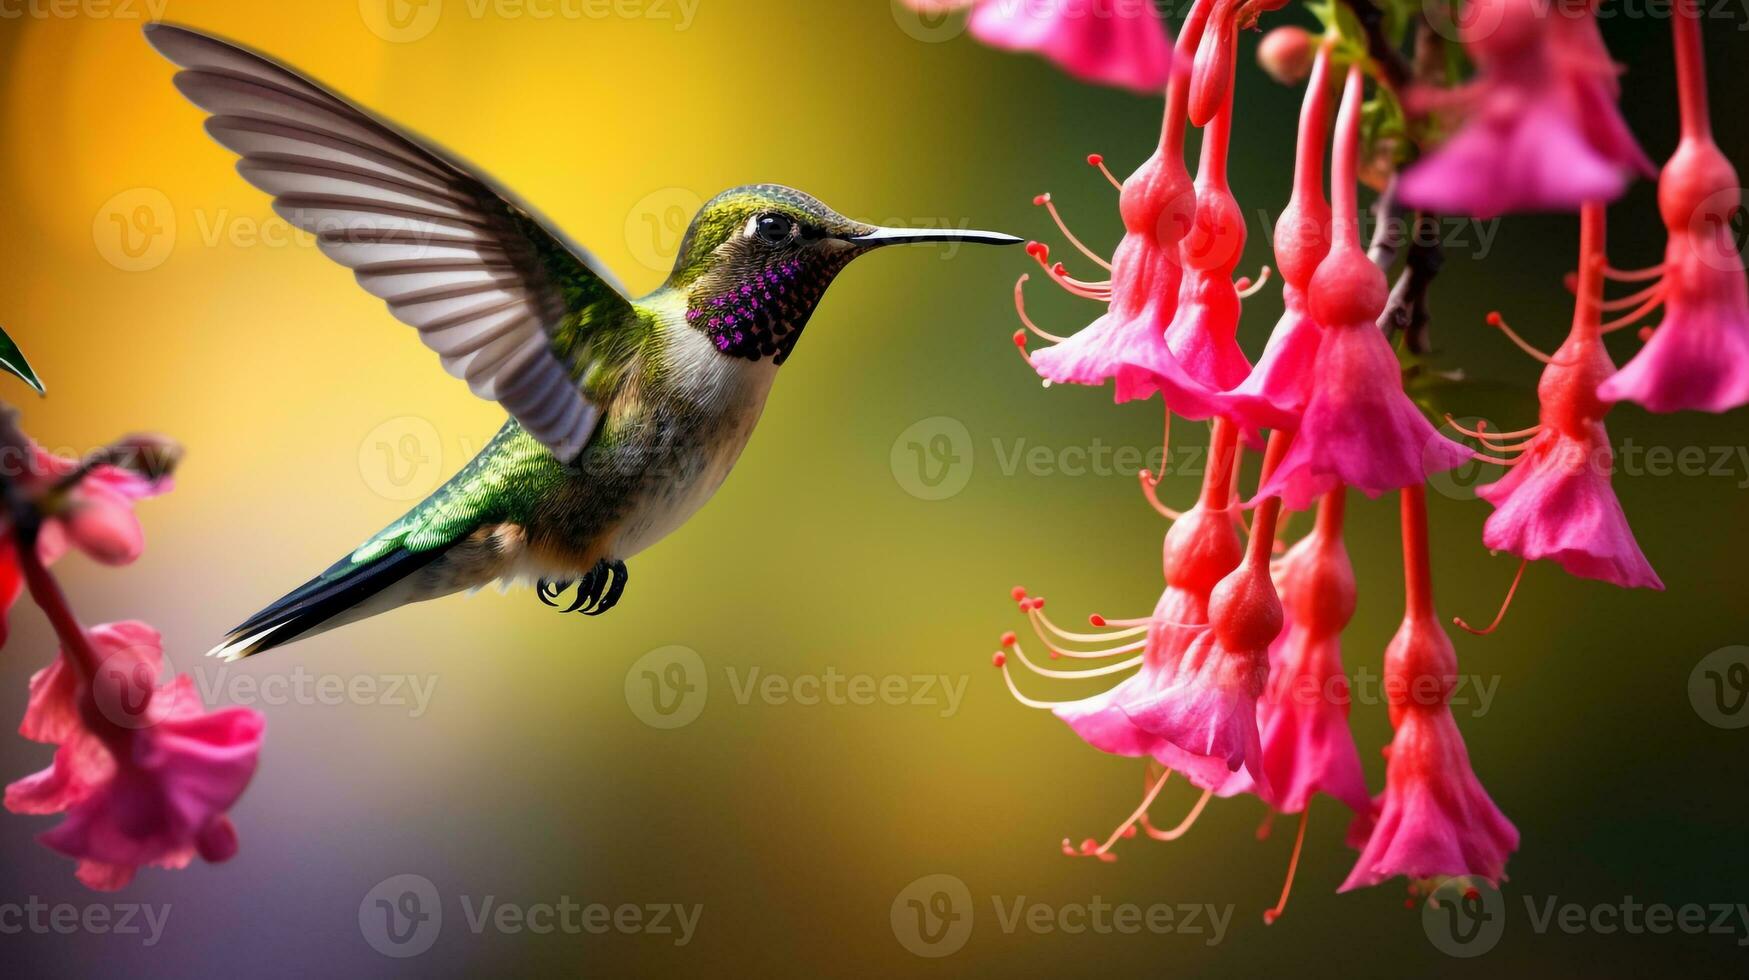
[[1691, 71], [1588, 308], [1417, 566], [44, 590]]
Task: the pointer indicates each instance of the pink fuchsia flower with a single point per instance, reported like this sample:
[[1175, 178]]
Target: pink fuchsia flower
[[1208, 707], [1698, 358], [1201, 356], [1121, 43], [1157, 204], [1303, 714], [1359, 428], [1434, 819], [1307, 745], [1200, 550], [93, 513], [169, 797], [130, 656], [1584, 60], [1542, 132], [1275, 393], [1556, 500], [145, 773]]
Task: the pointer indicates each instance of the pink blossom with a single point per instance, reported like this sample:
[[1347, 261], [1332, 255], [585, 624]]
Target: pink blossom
[[169, 796], [1122, 43], [1201, 355], [1359, 429], [1434, 819], [145, 773], [1200, 549], [1275, 393], [1698, 357], [96, 517], [1542, 130], [1208, 707], [1157, 204], [1556, 502], [1307, 745]]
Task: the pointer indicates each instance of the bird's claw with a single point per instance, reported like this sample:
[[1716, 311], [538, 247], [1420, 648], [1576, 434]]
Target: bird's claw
[[597, 591]]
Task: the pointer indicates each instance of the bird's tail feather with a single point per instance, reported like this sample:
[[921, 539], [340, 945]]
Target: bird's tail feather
[[342, 594]]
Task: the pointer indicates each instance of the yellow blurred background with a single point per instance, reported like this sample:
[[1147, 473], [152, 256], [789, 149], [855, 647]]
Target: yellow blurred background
[[153, 289]]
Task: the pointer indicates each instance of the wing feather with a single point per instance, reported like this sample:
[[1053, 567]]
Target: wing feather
[[490, 288]]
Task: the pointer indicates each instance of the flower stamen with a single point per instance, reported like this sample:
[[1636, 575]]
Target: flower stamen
[[1630, 319], [1501, 615], [1000, 660], [1095, 160], [1499, 323], [1041, 623], [1184, 826], [1633, 275], [1247, 288], [1020, 308], [1293, 865], [1628, 302], [1125, 829], [1151, 494], [1041, 253], [1010, 643], [1049, 205]]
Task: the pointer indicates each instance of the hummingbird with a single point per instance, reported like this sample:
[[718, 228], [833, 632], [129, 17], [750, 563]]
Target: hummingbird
[[625, 415]]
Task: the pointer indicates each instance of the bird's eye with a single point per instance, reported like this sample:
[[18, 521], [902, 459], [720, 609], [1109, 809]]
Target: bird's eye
[[773, 229]]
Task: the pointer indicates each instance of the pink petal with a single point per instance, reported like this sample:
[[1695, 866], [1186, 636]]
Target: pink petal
[[1307, 745], [81, 765], [1359, 429], [1434, 818], [1527, 153], [1108, 42], [1275, 393], [105, 530], [184, 773], [1557, 503], [1698, 358]]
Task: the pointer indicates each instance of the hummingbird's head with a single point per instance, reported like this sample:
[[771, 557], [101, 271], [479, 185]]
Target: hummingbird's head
[[758, 258]]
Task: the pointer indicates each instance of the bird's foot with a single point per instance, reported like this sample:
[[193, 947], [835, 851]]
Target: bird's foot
[[597, 591]]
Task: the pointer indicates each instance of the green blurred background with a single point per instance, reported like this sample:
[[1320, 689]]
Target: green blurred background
[[311, 419]]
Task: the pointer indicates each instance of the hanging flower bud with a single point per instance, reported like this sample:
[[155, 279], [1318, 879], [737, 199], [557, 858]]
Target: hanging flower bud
[[1286, 54]]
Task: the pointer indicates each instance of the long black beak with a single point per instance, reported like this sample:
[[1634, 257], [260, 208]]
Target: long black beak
[[914, 236]]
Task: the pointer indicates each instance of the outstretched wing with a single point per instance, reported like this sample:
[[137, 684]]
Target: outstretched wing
[[508, 305]]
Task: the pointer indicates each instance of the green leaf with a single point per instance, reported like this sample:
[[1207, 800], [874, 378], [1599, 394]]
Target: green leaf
[[13, 362]]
